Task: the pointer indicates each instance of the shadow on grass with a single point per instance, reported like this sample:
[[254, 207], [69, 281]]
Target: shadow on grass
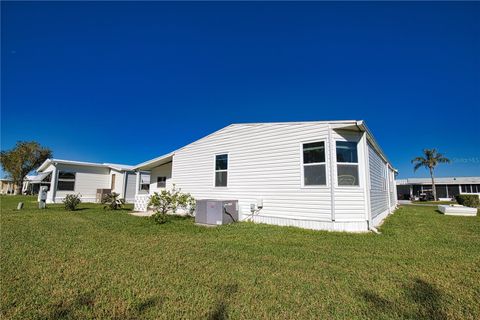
[[220, 312], [66, 309], [425, 297]]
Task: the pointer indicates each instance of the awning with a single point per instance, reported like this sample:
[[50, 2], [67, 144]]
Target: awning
[[38, 178]]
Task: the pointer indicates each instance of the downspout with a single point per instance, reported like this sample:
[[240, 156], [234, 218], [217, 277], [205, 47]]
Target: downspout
[[137, 183]]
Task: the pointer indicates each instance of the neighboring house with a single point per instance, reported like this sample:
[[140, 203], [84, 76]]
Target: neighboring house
[[447, 187], [32, 183], [329, 175], [6, 186], [75, 177]]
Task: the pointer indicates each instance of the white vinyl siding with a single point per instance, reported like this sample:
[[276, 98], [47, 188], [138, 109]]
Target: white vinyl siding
[[350, 203], [164, 170], [265, 162], [119, 181], [87, 181], [379, 195]]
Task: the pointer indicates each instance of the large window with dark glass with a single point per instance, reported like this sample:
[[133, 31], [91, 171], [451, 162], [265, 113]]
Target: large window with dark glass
[[314, 172], [66, 181], [221, 170], [347, 163]]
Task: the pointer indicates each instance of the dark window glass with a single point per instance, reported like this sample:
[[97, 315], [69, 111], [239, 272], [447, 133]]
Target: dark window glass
[[314, 152], [347, 175], [145, 186], [221, 179], [66, 185], [347, 152], [416, 189], [453, 190], [221, 162], [314, 175], [66, 175], [161, 182], [441, 190], [466, 188]]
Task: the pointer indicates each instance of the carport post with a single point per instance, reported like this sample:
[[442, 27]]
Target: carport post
[[137, 182]]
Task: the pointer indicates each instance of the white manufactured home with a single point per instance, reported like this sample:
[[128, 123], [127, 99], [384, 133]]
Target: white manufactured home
[[65, 177], [325, 175]]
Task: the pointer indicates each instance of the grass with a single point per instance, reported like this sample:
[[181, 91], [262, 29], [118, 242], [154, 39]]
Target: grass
[[434, 202], [101, 264]]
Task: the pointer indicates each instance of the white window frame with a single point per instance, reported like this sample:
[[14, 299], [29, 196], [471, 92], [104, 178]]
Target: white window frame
[[302, 165], [67, 180], [222, 170], [357, 164]]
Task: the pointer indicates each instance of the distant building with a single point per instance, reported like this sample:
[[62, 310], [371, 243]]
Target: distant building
[[6, 186], [447, 188]]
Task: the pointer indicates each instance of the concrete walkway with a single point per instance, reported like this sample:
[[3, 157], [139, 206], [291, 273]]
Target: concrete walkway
[[141, 214]]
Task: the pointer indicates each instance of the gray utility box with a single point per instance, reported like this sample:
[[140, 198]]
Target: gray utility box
[[216, 212]]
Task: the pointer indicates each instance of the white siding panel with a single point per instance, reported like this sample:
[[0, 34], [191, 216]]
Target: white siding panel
[[379, 196], [264, 163], [350, 203], [87, 181], [164, 170], [118, 187]]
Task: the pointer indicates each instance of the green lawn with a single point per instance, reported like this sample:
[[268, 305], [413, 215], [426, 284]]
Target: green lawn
[[97, 264], [434, 202]]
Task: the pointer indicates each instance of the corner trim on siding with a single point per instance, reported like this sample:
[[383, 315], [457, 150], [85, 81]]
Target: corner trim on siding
[[366, 155], [331, 164]]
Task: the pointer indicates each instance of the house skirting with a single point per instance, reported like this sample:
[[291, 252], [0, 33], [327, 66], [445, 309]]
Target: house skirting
[[377, 220], [348, 226]]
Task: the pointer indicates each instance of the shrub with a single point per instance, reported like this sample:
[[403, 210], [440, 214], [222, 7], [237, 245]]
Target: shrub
[[187, 202], [71, 201], [168, 201], [468, 200], [159, 217], [112, 201]]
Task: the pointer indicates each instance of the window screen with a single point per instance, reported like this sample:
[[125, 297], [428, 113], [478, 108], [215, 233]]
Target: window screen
[[221, 170], [314, 170], [347, 164]]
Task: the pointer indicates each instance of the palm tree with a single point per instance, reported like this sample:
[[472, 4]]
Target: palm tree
[[429, 160]]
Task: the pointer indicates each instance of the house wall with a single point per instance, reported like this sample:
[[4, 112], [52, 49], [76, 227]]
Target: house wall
[[350, 202], [87, 181], [265, 163], [164, 170], [382, 186], [119, 182]]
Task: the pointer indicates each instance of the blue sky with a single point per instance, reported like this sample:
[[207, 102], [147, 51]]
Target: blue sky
[[126, 82]]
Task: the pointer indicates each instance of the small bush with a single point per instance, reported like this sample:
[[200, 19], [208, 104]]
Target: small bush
[[112, 201], [71, 201], [168, 201], [468, 200], [159, 217]]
